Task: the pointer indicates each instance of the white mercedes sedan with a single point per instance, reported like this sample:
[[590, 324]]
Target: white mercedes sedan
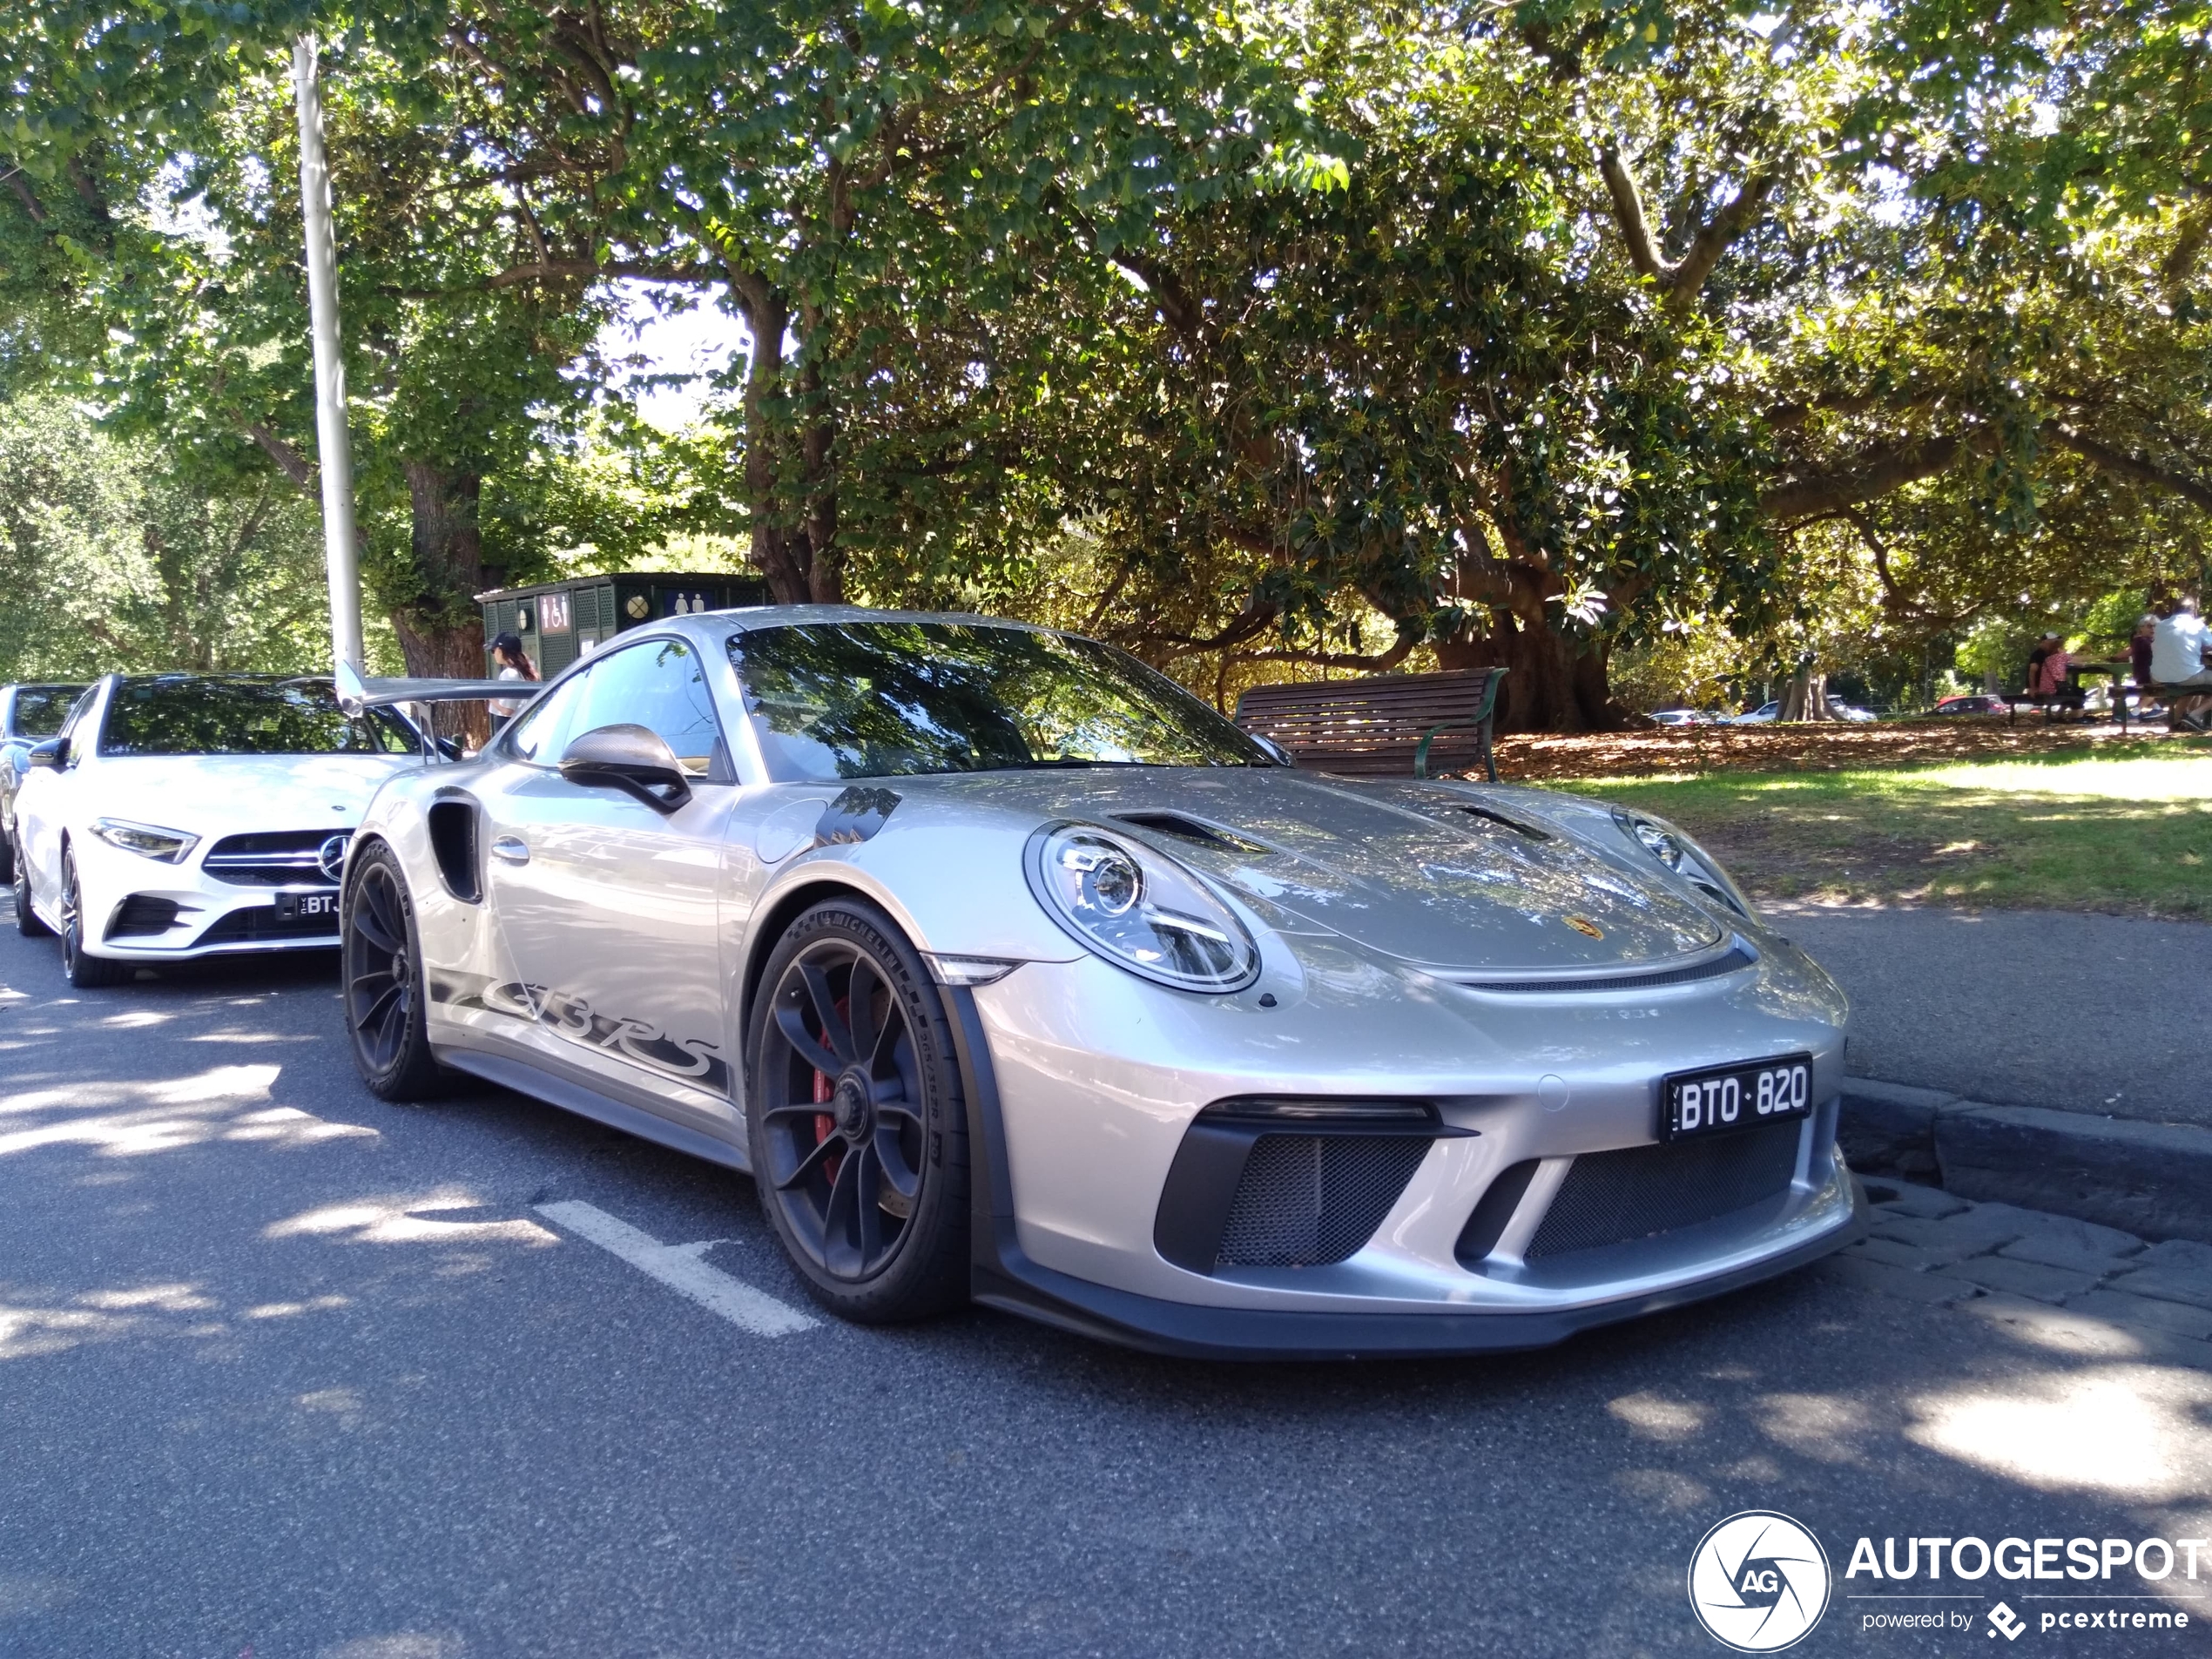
[[184, 815]]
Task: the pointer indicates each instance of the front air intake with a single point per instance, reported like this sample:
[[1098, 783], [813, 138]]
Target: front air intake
[[1640, 1191], [1309, 1200]]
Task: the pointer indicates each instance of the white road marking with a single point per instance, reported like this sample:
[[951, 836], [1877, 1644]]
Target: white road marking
[[678, 1267]]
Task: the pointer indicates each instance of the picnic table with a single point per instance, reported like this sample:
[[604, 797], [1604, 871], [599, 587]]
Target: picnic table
[[2074, 695]]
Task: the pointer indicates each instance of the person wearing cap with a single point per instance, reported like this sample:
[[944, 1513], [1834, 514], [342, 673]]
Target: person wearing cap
[[514, 665]]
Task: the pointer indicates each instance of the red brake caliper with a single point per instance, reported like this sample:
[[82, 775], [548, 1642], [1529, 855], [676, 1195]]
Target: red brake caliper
[[824, 1122]]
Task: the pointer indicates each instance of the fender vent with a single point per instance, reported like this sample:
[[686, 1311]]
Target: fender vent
[[1308, 1200], [1188, 829], [1640, 1191], [453, 839]]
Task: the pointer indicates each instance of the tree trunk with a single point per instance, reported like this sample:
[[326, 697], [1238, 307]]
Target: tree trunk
[[1554, 682], [1806, 699], [442, 631]]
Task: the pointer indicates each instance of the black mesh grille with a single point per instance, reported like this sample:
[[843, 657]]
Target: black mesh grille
[[1306, 1200], [1611, 1198], [258, 922], [141, 916]]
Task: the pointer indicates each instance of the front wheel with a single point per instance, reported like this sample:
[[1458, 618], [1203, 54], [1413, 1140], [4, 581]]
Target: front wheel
[[381, 960], [27, 922], [87, 972], [857, 1129]]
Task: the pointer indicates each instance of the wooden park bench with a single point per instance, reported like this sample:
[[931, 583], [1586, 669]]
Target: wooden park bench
[[1387, 725]]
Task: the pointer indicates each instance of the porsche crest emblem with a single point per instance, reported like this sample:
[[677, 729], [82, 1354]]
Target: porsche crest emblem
[[1584, 925]]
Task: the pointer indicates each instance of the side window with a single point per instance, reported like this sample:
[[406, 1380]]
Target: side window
[[77, 728], [661, 685], [546, 727]]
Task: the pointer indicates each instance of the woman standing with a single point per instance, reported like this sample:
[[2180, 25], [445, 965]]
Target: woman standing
[[514, 665]]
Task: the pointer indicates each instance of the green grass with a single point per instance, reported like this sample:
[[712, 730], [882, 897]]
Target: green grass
[[2125, 829]]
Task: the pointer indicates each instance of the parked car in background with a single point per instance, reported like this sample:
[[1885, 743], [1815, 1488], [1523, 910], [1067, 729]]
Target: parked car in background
[[28, 714], [1014, 973], [1686, 717], [183, 815], [1765, 714], [1975, 703], [1851, 711]]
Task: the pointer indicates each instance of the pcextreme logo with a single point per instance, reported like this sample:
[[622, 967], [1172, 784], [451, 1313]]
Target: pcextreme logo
[[1759, 1582]]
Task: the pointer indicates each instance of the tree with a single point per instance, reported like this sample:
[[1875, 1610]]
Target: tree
[[108, 560]]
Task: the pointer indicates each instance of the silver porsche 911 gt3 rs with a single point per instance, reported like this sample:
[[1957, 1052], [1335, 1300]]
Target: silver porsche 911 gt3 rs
[[1011, 971]]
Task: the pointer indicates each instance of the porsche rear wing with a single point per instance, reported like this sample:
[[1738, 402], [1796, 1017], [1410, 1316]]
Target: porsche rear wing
[[356, 693]]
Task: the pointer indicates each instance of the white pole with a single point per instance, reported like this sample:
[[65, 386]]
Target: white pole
[[332, 441]]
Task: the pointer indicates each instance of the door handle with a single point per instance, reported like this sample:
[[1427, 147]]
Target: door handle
[[508, 849]]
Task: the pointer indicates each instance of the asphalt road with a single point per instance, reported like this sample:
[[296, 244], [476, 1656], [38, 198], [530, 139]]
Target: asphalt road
[[286, 1370], [2025, 1007]]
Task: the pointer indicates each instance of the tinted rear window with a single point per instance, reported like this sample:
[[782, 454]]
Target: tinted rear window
[[187, 715], [40, 710]]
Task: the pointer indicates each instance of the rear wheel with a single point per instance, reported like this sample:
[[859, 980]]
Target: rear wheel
[[27, 922], [857, 1129], [381, 960], [87, 972]]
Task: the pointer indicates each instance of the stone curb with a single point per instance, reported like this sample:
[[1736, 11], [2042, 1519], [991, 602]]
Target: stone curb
[[2153, 1180]]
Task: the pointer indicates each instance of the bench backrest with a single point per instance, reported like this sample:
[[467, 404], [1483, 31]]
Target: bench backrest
[[1373, 727]]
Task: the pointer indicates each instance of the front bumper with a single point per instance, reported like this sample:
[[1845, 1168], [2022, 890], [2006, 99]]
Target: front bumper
[[1085, 1084], [1189, 1330], [137, 910]]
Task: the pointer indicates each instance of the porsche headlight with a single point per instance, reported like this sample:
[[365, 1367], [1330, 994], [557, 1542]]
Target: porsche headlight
[[1682, 857], [1140, 910], [148, 841]]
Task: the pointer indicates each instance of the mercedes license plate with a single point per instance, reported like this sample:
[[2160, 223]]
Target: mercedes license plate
[[306, 906], [1727, 1098]]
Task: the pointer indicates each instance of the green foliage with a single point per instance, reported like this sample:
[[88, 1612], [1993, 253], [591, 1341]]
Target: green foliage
[[109, 561]]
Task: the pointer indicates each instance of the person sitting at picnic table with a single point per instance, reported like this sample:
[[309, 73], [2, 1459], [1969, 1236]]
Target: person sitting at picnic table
[[2179, 651], [2046, 667], [2139, 649]]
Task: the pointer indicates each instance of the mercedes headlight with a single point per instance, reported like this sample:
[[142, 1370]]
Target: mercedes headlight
[[1682, 857], [147, 840], [1140, 909]]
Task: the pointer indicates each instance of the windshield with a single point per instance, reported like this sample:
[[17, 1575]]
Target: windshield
[[40, 710], [188, 714], [876, 700]]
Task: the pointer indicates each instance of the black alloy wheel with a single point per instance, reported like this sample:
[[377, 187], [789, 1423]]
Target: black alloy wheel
[[858, 1129], [382, 965], [87, 972], [27, 922]]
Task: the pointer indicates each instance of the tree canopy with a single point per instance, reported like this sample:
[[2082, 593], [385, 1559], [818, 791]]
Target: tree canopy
[[1552, 335]]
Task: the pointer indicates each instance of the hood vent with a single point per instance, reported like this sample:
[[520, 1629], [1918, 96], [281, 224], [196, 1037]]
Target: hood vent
[[1734, 960], [1488, 815], [1188, 829]]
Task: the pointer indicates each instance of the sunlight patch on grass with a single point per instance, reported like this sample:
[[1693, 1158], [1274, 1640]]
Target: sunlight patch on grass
[[2112, 830]]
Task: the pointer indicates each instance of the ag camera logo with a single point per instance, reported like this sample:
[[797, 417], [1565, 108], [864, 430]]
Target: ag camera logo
[[1759, 1582]]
